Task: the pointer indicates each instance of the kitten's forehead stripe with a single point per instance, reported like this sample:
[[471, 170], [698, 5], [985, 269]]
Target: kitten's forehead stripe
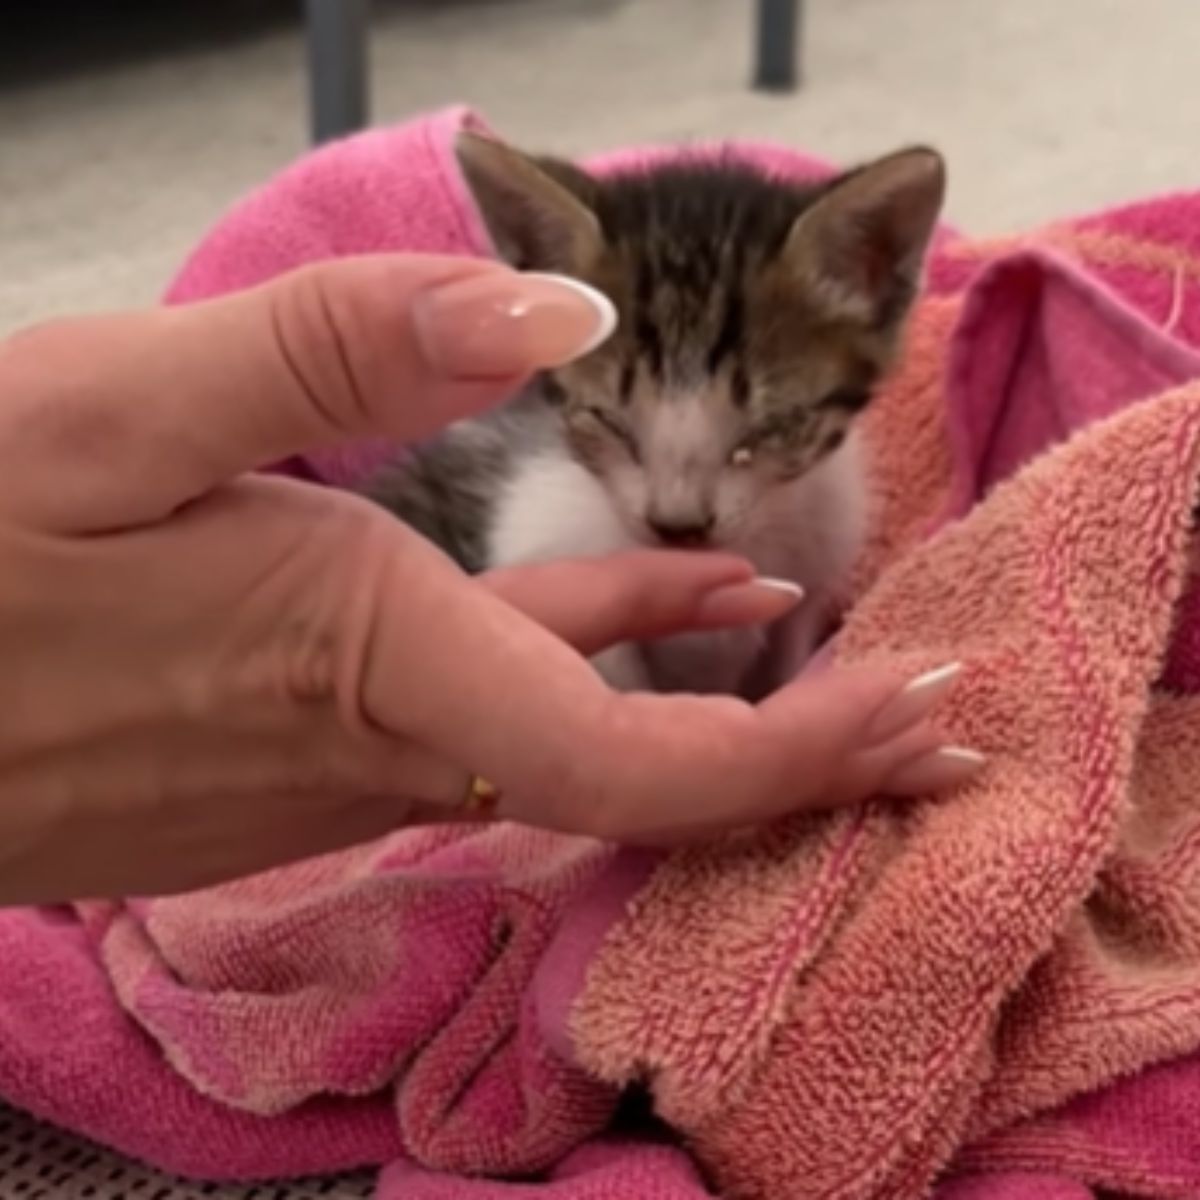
[[650, 343], [728, 342], [628, 374], [739, 385], [645, 328]]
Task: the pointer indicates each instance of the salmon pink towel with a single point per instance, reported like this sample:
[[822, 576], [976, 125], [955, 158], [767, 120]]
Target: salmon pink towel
[[995, 996]]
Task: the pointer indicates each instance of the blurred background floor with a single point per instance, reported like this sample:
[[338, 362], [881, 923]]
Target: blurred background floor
[[126, 127]]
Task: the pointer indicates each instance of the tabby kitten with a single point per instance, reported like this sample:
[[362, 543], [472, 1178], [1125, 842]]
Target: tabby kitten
[[756, 316]]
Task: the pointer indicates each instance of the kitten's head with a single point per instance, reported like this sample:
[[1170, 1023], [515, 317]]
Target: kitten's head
[[755, 317]]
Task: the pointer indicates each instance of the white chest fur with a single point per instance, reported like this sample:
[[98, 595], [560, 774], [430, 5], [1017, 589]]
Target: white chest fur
[[808, 531], [554, 508]]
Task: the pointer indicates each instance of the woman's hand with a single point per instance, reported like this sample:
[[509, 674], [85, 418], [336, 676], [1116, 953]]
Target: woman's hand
[[205, 672]]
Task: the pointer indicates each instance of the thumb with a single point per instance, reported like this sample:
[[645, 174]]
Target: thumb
[[114, 421]]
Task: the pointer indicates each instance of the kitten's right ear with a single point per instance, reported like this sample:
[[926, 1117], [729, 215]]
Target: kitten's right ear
[[536, 210], [861, 245]]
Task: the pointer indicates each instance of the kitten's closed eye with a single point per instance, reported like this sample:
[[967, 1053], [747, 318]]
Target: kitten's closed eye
[[794, 441], [780, 432], [592, 419], [847, 399]]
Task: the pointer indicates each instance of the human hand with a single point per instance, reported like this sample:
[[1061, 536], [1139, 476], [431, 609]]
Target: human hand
[[208, 672]]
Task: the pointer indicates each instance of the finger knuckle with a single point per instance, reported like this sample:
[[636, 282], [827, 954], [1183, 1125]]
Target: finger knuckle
[[580, 795], [318, 338]]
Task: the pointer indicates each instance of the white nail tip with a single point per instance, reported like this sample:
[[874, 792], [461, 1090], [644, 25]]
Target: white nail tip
[[780, 585], [960, 754], [934, 678], [606, 313]]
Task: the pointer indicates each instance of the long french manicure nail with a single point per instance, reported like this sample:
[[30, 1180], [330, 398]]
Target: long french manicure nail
[[786, 586], [760, 600], [501, 324], [938, 771], [913, 703]]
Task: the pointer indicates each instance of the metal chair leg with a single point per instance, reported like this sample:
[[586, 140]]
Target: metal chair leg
[[778, 44], [337, 66]]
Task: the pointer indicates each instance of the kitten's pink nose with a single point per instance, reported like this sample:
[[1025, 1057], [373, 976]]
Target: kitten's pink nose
[[690, 533]]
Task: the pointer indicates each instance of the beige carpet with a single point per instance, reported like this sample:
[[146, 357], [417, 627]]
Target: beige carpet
[[109, 170]]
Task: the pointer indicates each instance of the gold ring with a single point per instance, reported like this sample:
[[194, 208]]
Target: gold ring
[[481, 800]]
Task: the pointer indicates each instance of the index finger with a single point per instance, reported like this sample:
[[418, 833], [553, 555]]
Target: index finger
[[113, 421], [639, 595]]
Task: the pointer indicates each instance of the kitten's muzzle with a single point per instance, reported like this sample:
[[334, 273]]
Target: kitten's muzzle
[[682, 535]]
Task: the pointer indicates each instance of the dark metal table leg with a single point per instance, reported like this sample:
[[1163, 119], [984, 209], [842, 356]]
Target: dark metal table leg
[[778, 44], [337, 66]]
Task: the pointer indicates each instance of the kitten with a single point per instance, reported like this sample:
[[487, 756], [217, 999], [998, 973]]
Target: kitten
[[756, 317]]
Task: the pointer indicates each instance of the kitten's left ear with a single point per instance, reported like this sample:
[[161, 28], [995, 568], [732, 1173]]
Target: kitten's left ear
[[537, 210], [862, 244]]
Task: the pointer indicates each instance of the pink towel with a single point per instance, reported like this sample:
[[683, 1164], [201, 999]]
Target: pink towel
[[852, 1004]]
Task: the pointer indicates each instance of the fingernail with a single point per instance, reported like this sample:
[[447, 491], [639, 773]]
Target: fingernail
[[938, 771], [781, 585], [502, 324], [913, 703], [757, 602]]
